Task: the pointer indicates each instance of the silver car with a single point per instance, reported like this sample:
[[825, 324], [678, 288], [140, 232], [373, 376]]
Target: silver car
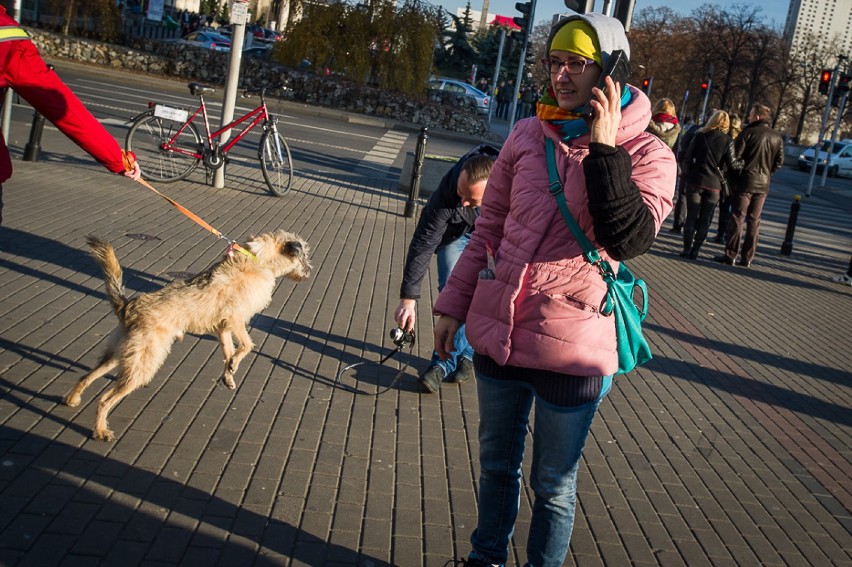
[[483, 101], [208, 40]]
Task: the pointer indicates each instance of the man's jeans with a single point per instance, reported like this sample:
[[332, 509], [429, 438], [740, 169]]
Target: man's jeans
[[559, 435], [447, 258]]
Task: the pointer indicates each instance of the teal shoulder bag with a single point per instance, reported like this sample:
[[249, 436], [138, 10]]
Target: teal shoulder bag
[[633, 349]]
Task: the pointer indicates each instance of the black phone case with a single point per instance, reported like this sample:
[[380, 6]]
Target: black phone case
[[617, 67]]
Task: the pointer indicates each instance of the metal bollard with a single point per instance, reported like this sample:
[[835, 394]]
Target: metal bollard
[[787, 245], [416, 172], [32, 151]]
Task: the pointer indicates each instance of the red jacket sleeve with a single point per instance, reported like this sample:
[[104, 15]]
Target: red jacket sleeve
[[28, 74]]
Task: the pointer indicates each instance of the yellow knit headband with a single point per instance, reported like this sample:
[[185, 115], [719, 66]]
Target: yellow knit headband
[[578, 37]]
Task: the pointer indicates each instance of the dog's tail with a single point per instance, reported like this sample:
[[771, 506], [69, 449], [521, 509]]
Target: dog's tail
[[106, 258]]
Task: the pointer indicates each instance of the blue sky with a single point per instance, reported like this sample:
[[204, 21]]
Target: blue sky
[[772, 9]]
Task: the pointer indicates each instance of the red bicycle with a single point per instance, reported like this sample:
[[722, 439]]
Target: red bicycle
[[169, 146]]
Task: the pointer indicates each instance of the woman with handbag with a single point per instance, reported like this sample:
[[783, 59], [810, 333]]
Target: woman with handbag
[[534, 306], [727, 202], [709, 156]]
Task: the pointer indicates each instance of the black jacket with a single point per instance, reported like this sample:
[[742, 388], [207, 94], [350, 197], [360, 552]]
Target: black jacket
[[709, 156], [442, 221], [762, 150]]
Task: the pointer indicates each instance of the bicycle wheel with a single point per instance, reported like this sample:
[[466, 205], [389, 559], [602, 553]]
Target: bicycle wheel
[[277, 168], [145, 139]]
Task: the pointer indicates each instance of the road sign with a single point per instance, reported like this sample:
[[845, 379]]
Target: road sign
[[239, 13]]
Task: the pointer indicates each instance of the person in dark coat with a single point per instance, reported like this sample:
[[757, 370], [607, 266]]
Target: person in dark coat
[[726, 201], [444, 228], [709, 156], [688, 130], [762, 150]]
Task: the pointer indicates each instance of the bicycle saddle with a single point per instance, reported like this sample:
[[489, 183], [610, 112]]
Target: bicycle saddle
[[198, 88]]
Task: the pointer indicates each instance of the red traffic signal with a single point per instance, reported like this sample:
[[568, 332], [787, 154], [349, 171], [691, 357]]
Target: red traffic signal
[[704, 86], [824, 81], [843, 84], [646, 85]]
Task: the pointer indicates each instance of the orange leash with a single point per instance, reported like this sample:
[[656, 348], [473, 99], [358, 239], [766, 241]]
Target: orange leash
[[130, 159]]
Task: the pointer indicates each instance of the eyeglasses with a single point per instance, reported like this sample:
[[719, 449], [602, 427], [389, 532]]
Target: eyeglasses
[[571, 66]]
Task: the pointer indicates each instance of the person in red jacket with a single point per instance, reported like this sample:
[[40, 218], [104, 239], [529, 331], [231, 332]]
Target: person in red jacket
[[23, 69]]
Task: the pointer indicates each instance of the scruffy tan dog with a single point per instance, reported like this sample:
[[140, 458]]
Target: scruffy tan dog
[[219, 300]]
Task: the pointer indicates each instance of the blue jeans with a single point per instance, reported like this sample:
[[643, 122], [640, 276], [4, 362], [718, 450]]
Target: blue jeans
[[447, 258], [559, 435]]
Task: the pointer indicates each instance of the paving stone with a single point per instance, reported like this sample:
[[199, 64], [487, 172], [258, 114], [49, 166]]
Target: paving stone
[[728, 448]]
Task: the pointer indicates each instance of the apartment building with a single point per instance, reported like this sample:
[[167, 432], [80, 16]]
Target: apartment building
[[825, 19]]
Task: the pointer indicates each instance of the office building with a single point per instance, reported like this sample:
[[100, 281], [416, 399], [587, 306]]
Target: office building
[[824, 19]]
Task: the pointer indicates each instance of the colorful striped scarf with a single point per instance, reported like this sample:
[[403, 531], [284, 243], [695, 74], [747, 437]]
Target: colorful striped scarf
[[568, 124]]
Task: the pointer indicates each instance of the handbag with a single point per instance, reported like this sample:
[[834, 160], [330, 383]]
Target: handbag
[[725, 190], [633, 350]]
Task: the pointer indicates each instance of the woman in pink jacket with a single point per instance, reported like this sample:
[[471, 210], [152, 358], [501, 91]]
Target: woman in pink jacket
[[534, 319]]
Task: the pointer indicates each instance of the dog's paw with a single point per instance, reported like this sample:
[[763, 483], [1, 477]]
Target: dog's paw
[[71, 401], [103, 435], [228, 380]]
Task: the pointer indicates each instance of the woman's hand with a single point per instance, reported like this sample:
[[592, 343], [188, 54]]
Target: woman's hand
[[607, 113], [445, 334]]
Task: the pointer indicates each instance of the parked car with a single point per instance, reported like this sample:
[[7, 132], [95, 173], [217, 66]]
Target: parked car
[[841, 158], [271, 35], [262, 51], [207, 40], [256, 30], [483, 101]]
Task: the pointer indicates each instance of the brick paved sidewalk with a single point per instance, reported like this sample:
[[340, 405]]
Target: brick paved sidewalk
[[731, 447]]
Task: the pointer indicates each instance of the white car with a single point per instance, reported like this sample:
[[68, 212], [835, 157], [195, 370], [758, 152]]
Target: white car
[[841, 158]]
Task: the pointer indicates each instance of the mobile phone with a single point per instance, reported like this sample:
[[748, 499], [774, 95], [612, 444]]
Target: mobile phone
[[617, 67]]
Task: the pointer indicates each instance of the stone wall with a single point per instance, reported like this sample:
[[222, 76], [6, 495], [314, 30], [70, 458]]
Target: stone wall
[[441, 110]]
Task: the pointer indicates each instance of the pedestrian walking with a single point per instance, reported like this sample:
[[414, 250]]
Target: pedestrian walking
[[726, 200], [530, 299], [844, 278], [688, 130], [503, 98], [708, 158], [664, 123], [762, 150]]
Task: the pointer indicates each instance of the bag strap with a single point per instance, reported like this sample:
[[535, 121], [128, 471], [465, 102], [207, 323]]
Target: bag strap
[[556, 189]]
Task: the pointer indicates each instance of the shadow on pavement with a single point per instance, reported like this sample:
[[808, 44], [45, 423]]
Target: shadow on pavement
[[34, 247], [367, 375], [113, 511], [757, 390]]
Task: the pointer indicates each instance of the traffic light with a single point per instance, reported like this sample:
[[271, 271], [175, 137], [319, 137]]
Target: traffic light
[[825, 81], [646, 85], [704, 86], [581, 6], [841, 90], [523, 21]]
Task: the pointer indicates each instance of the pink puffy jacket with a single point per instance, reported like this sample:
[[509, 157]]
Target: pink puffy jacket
[[542, 310]]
